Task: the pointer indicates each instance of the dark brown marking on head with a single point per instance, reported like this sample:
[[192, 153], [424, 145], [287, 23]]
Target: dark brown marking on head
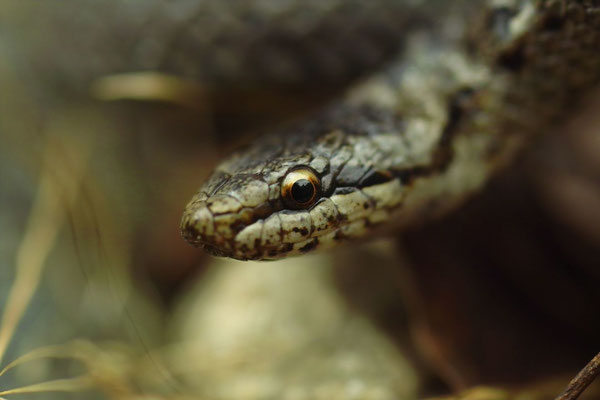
[[333, 218], [341, 218], [190, 234], [372, 178], [262, 211], [408, 176], [309, 246], [213, 250], [238, 225], [303, 231]]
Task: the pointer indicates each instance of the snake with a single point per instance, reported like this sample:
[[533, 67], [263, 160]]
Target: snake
[[466, 93]]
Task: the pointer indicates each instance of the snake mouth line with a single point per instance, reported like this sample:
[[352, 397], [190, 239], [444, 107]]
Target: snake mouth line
[[345, 215], [268, 253], [257, 237]]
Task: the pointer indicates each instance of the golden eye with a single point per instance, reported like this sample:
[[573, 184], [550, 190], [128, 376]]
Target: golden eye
[[300, 188]]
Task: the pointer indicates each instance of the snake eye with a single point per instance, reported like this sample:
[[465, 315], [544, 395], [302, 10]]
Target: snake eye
[[300, 188]]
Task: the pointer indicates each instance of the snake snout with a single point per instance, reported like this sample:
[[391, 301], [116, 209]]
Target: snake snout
[[222, 209], [202, 228], [197, 224], [212, 223]]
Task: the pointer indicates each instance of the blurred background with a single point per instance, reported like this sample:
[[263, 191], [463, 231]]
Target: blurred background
[[113, 113]]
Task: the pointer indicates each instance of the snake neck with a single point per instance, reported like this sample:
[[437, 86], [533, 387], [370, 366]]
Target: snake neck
[[471, 100]]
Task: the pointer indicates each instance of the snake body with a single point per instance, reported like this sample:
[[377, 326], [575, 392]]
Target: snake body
[[411, 142]]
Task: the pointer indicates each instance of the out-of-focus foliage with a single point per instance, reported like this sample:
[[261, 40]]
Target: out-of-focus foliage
[[102, 299]]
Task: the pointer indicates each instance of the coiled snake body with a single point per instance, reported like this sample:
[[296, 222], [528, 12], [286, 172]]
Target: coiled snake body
[[409, 143]]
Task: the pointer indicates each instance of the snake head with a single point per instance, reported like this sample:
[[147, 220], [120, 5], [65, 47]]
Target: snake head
[[250, 216], [292, 194]]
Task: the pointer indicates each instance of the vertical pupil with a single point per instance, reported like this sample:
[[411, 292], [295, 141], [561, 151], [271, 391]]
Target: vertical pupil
[[303, 191]]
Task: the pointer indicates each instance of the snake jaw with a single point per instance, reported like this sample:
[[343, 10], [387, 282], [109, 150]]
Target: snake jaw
[[224, 225]]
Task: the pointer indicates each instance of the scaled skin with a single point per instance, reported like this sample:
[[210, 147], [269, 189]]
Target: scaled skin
[[372, 162], [410, 143], [239, 211]]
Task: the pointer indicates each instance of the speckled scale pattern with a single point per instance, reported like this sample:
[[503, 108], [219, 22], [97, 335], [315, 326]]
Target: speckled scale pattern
[[428, 131], [250, 183]]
